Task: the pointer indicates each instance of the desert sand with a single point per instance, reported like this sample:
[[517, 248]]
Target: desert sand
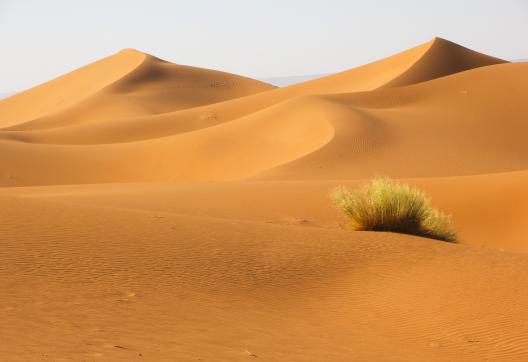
[[160, 212]]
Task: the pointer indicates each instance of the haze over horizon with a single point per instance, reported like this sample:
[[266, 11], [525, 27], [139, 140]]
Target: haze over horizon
[[252, 39]]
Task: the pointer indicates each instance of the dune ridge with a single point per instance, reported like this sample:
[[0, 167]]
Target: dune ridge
[[154, 145], [155, 211], [365, 127], [155, 86], [424, 62], [442, 58], [68, 89]]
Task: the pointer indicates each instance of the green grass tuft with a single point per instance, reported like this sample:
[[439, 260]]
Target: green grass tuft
[[387, 205]]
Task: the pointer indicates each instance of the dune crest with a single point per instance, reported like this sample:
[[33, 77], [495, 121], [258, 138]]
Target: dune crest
[[434, 59], [370, 131], [442, 58], [155, 86], [154, 211], [436, 117], [67, 90]]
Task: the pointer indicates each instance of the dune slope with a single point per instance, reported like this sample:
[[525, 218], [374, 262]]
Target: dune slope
[[67, 90], [155, 86], [351, 135], [442, 58], [434, 59], [462, 124], [488, 210], [81, 288], [159, 212]]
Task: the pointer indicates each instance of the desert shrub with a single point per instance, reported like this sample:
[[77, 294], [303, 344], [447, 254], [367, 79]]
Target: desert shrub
[[387, 205]]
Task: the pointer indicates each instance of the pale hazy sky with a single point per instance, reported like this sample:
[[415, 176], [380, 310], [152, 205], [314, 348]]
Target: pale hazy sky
[[41, 39]]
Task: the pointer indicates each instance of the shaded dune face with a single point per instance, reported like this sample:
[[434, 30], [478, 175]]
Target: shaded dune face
[[153, 87], [442, 58], [160, 121], [66, 91], [153, 211], [461, 124]]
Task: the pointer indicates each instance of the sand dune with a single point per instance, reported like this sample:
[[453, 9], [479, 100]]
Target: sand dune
[[442, 58], [436, 58], [67, 90], [150, 86], [489, 209], [153, 211], [214, 288], [146, 86], [439, 117], [353, 135]]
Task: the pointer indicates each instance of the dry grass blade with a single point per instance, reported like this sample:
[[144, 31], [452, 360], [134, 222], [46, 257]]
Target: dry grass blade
[[388, 205]]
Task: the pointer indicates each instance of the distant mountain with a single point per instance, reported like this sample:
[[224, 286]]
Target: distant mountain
[[294, 79], [520, 60]]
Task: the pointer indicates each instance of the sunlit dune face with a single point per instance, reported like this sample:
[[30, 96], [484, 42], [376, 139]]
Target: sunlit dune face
[[162, 212]]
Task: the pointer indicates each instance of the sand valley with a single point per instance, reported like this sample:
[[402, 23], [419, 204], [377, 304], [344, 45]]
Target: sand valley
[[161, 212]]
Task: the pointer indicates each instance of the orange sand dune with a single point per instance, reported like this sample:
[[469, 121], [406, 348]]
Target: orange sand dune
[[88, 283], [67, 90], [457, 125], [488, 210], [151, 86], [434, 59], [155, 86], [353, 135], [158, 212]]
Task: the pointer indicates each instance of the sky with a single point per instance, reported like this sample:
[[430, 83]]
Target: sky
[[42, 39]]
